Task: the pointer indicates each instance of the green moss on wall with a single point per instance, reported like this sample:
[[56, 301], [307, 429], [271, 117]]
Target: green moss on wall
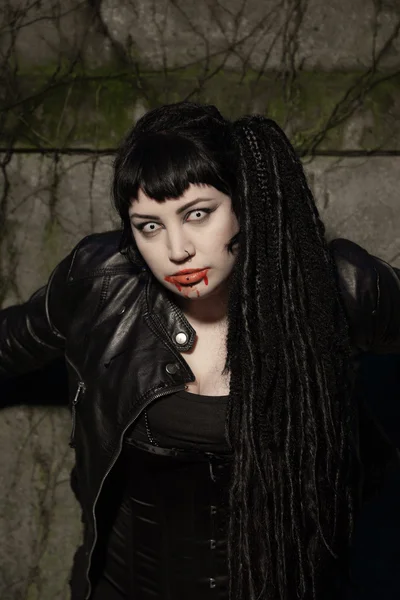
[[95, 109]]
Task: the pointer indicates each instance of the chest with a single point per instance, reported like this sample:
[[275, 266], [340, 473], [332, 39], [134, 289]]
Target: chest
[[207, 360]]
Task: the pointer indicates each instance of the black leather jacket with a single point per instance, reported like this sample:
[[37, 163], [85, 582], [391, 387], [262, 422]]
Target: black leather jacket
[[118, 331]]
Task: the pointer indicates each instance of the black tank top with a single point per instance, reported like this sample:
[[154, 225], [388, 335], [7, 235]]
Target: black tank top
[[187, 421]]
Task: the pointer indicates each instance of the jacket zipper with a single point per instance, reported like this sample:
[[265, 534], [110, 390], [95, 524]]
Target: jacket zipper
[[80, 389], [165, 392]]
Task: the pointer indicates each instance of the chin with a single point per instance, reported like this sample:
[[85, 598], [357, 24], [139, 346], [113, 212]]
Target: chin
[[194, 292]]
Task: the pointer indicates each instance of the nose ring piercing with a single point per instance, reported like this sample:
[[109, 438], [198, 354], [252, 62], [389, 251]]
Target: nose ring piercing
[[188, 255]]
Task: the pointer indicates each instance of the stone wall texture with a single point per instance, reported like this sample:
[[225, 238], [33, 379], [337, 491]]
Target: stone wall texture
[[75, 75]]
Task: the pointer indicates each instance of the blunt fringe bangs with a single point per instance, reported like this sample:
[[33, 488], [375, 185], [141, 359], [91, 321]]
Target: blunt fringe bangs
[[163, 165]]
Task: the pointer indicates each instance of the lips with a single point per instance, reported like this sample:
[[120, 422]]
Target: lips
[[188, 276]]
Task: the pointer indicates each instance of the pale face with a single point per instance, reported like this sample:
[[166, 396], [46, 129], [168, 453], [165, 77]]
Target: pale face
[[198, 225]]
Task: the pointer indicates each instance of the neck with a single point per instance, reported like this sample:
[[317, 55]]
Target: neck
[[211, 310]]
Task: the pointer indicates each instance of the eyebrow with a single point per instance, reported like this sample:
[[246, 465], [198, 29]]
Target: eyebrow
[[178, 212]]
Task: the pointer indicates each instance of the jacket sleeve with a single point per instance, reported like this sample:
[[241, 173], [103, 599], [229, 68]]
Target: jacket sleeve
[[32, 334], [370, 289]]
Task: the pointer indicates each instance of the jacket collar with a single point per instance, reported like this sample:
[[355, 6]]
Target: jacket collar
[[168, 315]]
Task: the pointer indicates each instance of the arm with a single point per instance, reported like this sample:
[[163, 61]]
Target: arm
[[32, 334], [370, 289]]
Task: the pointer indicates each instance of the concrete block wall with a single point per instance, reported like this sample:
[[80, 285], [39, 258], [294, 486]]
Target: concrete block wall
[[78, 75]]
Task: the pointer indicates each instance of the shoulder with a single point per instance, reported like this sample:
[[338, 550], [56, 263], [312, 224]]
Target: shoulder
[[361, 272], [350, 258], [370, 288], [80, 280], [346, 252], [356, 273], [99, 254]]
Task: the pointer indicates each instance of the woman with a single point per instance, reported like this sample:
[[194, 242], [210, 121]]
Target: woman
[[210, 352]]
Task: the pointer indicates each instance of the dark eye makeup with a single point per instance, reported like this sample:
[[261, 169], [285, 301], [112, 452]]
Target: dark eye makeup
[[140, 226]]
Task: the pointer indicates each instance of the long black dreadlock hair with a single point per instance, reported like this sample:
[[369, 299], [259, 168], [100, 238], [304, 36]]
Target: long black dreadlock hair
[[289, 418]]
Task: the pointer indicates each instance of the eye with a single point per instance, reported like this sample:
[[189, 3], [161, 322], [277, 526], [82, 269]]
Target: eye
[[148, 227], [200, 214]]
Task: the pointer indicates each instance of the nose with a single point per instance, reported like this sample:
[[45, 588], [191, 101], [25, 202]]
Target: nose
[[179, 246]]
